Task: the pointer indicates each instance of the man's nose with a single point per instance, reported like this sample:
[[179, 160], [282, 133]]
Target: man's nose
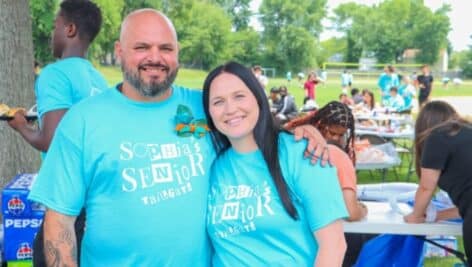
[[154, 54]]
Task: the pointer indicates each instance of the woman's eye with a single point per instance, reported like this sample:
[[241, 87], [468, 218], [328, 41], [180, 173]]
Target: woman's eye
[[217, 102]]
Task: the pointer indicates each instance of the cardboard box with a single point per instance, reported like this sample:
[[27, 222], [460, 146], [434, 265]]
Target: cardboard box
[[15, 194], [21, 219], [431, 250], [19, 234]]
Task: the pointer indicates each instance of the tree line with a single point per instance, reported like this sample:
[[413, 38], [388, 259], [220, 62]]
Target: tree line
[[213, 31]]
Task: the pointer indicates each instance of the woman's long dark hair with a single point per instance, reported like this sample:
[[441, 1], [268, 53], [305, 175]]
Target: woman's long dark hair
[[434, 115], [266, 133], [371, 105]]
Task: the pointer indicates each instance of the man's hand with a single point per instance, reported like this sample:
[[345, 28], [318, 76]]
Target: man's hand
[[19, 120], [317, 147], [413, 218]]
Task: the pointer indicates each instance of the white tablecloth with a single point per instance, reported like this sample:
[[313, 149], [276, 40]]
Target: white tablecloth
[[381, 219]]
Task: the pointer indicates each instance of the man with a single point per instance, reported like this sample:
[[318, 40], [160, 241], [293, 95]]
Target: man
[[356, 96], [424, 83], [274, 99], [68, 80], [288, 109], [62, 84], [126, 157]]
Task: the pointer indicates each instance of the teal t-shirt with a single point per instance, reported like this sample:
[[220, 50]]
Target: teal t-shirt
[[246, 221], [65, 82], [386, 82], [396, 103], [144, 187], [408, 93]]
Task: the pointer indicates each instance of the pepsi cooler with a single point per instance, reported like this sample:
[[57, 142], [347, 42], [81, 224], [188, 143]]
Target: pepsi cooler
[[21, 218], [15, 194]]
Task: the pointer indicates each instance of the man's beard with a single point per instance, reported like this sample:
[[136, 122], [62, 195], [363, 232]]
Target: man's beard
[[152, 89]]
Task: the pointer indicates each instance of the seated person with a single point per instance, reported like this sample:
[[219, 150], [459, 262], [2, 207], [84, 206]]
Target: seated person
[[356, 96], [408, 91], [336, 123], [395, 102], [309, 105], [288, 109], [274, 99], [343, 98]]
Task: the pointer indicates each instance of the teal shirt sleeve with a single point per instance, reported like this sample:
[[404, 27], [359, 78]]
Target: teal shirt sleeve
[[316, 188], [60, 185], [53, 90]]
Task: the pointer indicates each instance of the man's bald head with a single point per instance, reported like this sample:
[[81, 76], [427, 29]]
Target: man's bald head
[[149, 53], [145, 14]]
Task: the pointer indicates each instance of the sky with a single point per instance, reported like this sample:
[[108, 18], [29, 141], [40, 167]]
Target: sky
[[460, 9]]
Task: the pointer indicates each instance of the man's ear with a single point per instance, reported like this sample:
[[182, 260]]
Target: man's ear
[[71, 30], [118, 51]]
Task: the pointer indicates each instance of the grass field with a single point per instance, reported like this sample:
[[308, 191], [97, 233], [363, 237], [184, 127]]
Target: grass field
[[325, 93]]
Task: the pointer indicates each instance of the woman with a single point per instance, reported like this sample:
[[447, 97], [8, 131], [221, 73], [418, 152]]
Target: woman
[[369, 100], [267, 205], [336, 123], [443, 156], [310, 86]]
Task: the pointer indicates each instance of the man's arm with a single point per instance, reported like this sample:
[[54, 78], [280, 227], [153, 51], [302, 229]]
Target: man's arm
[[38, 138], [60, 244]]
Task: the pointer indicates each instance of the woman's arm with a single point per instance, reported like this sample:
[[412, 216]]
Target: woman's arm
[[451, 213], [331, 245], [424, 193], [356, 209]]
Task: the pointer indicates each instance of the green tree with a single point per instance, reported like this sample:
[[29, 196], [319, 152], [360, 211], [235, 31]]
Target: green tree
[[350, 18], [130, 5], [331, 47], [392, 26], [430, 34], [239, 12], [16, 86], [246, 47], [103, 45], [204, 40], [290, 33], [42, 15], [466, 64]]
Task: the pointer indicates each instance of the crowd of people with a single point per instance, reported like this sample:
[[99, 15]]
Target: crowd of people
[[149, 173]]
